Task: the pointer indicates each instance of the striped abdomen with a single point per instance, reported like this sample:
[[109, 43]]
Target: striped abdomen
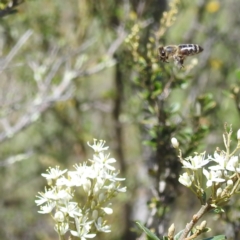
[[189, 49]]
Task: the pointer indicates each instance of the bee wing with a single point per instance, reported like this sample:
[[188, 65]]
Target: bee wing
[[170, 49]]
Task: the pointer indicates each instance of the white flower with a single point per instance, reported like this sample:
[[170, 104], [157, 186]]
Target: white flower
[[98, 178], [98, 146], [220, 159], [54, 195], [212, 176], [61, 228], [101, 227], [83, 234], [72, 209], [83, 227], [83, 173], [42, 199], [47, 208], [49, 195], [53, 173], [115, 187], [64, 182], [233, 164], [63, 195], [104, 161], [78, 179], [113, 177], [186, 179], [195, 162]]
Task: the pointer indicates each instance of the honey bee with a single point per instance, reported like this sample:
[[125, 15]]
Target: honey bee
[[178, 52]]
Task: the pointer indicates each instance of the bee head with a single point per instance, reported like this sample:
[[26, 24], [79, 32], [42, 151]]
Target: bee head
[[162, 53]]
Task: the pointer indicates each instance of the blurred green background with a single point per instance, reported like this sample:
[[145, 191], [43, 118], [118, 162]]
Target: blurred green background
[[76, 70]]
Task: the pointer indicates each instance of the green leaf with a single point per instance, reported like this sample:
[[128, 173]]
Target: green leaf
[[150, 234], [178, 235], [219, 237], [218, 210], [205, 230]]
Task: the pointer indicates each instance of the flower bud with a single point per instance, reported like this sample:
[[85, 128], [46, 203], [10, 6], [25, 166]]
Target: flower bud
[[59, 216], [230, 182], [238, 134], [107, 210], [203, 224], [219, 192], [87, 186], [49, 181], [171, 231], [175, 142], [95, 214], [101, 197], [93, 204]]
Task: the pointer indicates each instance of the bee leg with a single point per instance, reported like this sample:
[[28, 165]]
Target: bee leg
[[166, 60], [163, 59], [181, 63], [179, 60]]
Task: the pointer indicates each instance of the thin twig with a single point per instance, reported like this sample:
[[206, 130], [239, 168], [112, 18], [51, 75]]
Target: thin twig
[[15, 49], [205, 208]]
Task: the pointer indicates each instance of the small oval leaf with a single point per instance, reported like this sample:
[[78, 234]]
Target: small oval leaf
[[178, 235]]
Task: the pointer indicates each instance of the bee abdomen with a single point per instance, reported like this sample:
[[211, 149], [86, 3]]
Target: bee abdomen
[[190, 49]]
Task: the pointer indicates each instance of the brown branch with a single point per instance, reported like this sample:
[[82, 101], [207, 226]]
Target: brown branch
[[205, 208]]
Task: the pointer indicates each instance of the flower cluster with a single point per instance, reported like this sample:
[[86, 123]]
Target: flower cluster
[[96, 183], [214, 177]]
